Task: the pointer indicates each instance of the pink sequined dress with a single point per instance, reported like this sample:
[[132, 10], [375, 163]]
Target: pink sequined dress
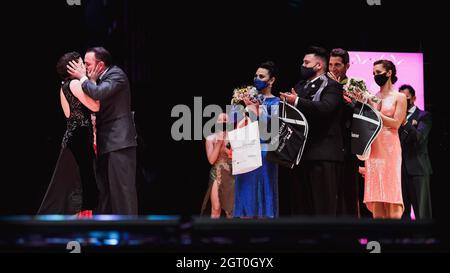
[[383, 168]]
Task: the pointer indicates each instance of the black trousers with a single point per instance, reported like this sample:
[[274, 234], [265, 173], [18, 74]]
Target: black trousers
[[348, 188], [314, 188], [416, 192], [116, 179]]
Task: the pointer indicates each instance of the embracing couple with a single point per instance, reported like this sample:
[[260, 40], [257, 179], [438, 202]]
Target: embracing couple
[[83, 182]]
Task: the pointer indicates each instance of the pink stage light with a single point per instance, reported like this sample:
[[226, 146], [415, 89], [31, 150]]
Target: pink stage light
[[363, 241], [409, 70]]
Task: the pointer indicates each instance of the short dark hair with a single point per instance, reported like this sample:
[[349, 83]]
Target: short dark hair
[[320, 52], [270, 66], [388, 65], [63, 62], [410, 89], [339, 52], [101, 54]]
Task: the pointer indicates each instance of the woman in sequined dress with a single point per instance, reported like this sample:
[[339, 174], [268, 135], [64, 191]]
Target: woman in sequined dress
[[383, 191]]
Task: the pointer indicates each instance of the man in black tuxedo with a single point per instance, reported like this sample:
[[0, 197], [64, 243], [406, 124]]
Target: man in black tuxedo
[[348, 189], [319, 98], [416, 166], [116, 133]]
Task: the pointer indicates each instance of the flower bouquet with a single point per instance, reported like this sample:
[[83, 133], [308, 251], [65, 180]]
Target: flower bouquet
[[356, 89], [240, 93]]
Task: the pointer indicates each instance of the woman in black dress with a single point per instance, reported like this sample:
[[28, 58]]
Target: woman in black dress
[[73, 187]]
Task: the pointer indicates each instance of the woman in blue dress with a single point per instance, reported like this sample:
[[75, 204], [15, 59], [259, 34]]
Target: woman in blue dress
[[256, 192]]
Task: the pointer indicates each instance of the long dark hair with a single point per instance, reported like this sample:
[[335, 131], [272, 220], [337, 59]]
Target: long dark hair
[[271, 67]]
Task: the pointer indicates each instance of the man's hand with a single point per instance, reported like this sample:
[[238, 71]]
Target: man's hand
[[95, 74], [76, 69], [347, 99], [290, 97], [333, 77], [414, 122]]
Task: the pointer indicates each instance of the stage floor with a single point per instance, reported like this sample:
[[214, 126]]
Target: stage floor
[[160, 234]]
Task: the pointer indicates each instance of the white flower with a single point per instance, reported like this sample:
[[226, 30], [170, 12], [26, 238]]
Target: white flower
[[355, 88], [240, 93]]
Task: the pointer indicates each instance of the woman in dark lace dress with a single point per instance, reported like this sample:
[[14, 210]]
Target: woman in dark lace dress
[[73, 188]]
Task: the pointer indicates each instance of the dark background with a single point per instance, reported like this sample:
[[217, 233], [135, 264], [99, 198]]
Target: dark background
[[175, 50]]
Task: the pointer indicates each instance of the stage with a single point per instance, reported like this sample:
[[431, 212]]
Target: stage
[[175, 234]]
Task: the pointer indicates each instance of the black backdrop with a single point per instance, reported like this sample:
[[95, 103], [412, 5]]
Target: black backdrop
[[173, 51]]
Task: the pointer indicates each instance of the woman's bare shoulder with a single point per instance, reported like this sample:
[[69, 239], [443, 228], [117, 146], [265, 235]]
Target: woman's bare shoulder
[[400, 96]]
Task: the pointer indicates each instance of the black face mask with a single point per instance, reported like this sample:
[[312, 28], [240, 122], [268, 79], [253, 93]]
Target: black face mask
[[410, 103], [306, 72], [381, 79]]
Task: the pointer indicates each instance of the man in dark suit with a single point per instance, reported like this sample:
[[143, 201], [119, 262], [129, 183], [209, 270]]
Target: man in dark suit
[[416, 166], [319, 98], [348, 189], [116, 133]]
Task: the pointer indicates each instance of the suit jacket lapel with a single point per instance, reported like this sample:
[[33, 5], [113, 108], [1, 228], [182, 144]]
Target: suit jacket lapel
[[300, 89], [415, 115], [104, 76], [313, 88]]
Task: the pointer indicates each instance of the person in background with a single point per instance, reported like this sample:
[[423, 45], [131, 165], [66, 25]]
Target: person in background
[[220, 192], [416, 166]]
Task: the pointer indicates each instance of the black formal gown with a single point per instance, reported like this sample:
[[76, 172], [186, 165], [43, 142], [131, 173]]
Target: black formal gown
[[73, 186]]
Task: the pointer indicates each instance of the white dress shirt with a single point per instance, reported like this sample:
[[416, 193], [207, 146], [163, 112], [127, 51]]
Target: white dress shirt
[[410, 112]]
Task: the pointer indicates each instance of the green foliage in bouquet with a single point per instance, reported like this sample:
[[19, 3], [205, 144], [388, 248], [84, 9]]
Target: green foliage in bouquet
[[240, 93], [356, 87]]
